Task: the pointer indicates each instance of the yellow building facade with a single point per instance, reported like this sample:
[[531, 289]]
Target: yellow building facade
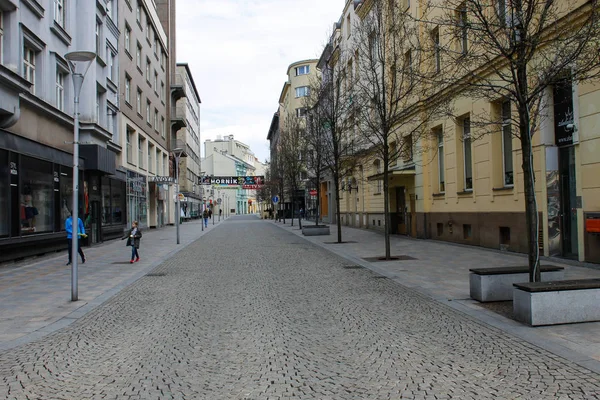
[[463, 182]]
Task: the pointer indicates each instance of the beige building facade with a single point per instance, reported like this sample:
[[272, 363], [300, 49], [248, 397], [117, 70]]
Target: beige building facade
[[464, 183]]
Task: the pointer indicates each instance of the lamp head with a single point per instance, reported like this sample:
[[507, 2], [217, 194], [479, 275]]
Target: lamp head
[[80, 61]]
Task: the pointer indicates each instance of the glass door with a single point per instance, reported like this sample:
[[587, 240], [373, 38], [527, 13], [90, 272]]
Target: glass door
[[568, 200]]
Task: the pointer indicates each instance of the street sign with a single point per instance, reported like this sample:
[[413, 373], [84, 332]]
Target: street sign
[[275, 199], [312, 192]]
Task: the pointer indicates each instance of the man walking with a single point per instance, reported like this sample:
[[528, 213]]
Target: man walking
[[81, 233]]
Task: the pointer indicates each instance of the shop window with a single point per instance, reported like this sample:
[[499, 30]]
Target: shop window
[[467, 232], [117, 201], [36, 196], [4, 194], [66, 195], [504, 235]]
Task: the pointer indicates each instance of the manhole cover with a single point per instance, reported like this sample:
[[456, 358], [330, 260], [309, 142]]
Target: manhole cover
[[343, 242], [392, 258], [157, 274], [352, 267]]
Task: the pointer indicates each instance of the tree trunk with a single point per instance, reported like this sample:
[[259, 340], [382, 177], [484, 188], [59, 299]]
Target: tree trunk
[[531, 212], [386, 211]]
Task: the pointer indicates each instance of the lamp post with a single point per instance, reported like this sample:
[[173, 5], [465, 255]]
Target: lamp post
[[177, 153], [79, 63]]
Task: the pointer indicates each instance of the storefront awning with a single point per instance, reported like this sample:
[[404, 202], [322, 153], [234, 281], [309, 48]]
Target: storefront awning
[[406, 171]]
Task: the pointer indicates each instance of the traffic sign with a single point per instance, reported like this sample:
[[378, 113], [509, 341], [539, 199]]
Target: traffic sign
[[275, 199], [219, 200]]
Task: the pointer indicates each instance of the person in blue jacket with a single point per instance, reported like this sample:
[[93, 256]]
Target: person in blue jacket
[[80, 231]]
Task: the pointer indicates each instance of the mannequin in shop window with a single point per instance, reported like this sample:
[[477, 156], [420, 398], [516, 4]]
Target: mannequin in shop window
[[28, 211]]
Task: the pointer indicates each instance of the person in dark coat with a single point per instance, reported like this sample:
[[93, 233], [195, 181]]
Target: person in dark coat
[[133, 239]]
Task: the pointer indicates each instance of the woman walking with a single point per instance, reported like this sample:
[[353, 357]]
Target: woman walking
[[133, 240]]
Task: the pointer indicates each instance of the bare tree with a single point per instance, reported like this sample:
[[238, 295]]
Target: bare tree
[[392, 89], [333, 108], [292, 152], [517, 51]]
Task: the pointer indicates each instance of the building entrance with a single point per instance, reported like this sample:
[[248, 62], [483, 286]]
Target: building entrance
[[568, 202]]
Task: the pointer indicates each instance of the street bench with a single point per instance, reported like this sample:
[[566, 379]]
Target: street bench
[[315, 230], [495, 284], [557, 302]]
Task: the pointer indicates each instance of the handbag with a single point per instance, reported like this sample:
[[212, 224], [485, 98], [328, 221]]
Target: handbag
[[128, 242]]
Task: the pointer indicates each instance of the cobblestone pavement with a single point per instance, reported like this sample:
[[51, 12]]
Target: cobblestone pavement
[[251, 311]]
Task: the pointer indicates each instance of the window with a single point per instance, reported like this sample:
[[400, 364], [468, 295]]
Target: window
[[507, 157], [301, 112], [373, 47], [157, 170], [110, 120], [148, 30], [140, 152], [138, 56], [147, 70], [405, 5], [98, 102], [435, 37], [109, 7], [466, 131], [165, 163], [111, 73], [139, 102], [162, 59], [504, 13], [59, 12], [36, 196], [128, 38], [303, 70], [29, 66], [302, 91], [377, 165], [463, 26], [129, 148], [162, 127], [138, 13], [156, 127], [162, 91], [1, 37], [467, 232], [98, 37], [155, 82], [148, 117], [441, 170], [156, 45], [60, 90], [348, 26], [128, 89], [150, 158], [408, 148]]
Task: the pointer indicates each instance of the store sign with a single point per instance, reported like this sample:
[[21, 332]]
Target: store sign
[[161, 179], [13, 168], [563, 113], [232, 180]]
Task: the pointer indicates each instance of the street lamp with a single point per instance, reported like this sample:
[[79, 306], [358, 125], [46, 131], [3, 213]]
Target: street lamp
[[177, 152], [79, 63]]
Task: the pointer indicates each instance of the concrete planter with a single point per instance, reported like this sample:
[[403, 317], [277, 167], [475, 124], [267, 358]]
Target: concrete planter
[[315, 230], [496, 284], [559, 302]]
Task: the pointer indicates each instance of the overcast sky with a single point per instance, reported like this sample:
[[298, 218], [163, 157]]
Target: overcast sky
[[239, 51]]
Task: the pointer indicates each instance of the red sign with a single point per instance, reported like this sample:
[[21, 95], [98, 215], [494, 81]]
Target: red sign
[[312, 192], [251, 187]]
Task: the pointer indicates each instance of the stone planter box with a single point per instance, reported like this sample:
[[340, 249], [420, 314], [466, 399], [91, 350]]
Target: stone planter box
[[558, 302], [315, 230], [496, 284]]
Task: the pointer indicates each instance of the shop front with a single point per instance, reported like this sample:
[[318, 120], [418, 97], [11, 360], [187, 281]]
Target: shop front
[[36, 193], [137, 199]]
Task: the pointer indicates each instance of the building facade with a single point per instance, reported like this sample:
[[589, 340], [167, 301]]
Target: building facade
[[189, 168], [143, 124], [228, 157], [36, 102], [463, 181]]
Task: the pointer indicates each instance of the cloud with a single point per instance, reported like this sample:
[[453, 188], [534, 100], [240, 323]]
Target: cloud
[[238, 53]]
